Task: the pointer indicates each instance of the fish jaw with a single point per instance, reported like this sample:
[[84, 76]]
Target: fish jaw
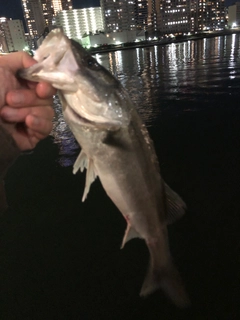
[[55, 63]]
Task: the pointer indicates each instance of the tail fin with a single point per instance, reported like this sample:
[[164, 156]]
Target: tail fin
[[167, 278]]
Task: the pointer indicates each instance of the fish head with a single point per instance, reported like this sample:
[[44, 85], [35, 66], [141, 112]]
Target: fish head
[[54, 63], [90, 93]]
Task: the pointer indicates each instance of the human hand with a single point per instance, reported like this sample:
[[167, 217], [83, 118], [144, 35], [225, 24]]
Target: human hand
[[25, 107]]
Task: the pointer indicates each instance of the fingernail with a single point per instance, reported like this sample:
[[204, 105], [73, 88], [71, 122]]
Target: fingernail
[[17, 98], [35, 120]]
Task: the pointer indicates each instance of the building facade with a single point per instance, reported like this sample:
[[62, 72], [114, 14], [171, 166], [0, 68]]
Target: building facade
[[14, 35], [162, 17], [141, 11], [52, 7], [234, 15], [33, 14], [119, 15], [80, 22], [39, 14], [59, 5], [210, 15], [174, 17], [3, 43]]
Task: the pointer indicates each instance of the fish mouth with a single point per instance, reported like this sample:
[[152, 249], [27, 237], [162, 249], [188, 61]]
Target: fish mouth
[[72, 116], [76, 117]]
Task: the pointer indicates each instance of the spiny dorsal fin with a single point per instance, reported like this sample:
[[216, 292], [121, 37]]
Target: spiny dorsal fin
[[176, 207]]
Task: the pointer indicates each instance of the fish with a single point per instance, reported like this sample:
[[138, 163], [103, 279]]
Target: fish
[[116, 148]]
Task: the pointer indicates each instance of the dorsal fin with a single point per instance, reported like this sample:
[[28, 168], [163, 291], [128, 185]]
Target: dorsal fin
[[176, 207]]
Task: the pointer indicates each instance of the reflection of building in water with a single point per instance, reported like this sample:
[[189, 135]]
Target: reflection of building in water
[[63, 137]]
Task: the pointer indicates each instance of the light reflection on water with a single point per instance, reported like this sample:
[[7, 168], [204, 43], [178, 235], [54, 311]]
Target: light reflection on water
[[174, 78], [63, 137]]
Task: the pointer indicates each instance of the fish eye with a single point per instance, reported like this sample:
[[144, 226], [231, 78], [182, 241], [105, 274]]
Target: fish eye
[[45, 57], [92, 63]]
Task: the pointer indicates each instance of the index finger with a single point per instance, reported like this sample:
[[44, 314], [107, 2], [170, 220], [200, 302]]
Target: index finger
[[17, 60]]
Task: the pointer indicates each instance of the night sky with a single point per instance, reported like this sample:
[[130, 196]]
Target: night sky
[[13, 8]]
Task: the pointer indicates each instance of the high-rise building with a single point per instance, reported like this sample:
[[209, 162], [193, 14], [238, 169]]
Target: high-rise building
[[141, 9], [59, 5], [175, 16], [211, 15], [14, 35], [52, 7], [3, 43], [33, 14], [234, 15], [48, 12], [119, 15], [153, 22], [39, 14], [79, 22], [208, 15], [181, 16], [168, 16]]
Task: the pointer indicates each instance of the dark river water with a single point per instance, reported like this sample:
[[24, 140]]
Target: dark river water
[[60, 258]]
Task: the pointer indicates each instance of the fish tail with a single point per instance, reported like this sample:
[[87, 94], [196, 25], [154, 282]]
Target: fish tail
[[164, 275]]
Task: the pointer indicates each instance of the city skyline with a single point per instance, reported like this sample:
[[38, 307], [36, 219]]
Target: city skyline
[[7, 9], [17, 13]]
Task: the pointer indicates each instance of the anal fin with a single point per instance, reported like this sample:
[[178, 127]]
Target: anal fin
[[130, 233], [90, 177], [81, 163]]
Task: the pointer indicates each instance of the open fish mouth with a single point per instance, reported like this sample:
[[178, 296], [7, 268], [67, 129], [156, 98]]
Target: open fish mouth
[[78, 118]]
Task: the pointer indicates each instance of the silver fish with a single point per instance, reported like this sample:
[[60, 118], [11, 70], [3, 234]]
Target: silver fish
[[117, 148]]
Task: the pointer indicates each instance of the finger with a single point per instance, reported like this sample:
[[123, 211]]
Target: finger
[[45, 90], [25, 138], [25, 97], [10, 114], [39, 127], [17, 60]]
